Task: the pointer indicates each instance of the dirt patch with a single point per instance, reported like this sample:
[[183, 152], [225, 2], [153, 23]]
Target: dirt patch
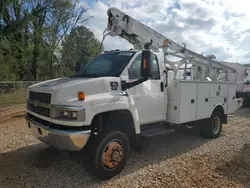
[[238, 169], [14, 111]]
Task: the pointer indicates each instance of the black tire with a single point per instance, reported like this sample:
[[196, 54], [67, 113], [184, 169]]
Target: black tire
[[212, 127], [101, 146]]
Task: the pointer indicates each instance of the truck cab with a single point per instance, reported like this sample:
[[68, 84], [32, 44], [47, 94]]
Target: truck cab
[[100, 82], [97, 102]]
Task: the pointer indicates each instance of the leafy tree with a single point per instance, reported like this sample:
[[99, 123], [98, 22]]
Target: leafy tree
[[62, 17], [78, 48], [15, 17], [7, 60], [31, 34], [11, 26]]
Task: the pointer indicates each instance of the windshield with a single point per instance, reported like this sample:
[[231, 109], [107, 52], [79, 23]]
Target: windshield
[[108, 64]]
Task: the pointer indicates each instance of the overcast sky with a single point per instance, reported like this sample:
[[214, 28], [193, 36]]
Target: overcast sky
[[221, 27]]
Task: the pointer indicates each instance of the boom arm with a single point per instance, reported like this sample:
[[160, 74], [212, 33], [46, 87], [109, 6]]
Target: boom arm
[[143, 37]]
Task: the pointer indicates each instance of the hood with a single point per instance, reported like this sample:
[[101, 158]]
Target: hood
[[66, 89]]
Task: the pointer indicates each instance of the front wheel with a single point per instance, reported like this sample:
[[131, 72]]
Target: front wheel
[[213, 126], [110, 153]]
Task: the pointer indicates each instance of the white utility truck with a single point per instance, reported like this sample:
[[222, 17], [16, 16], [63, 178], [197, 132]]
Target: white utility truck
[[122, 96]]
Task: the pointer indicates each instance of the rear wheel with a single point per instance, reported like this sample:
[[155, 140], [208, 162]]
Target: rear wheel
[[213, 126], [110, 153]]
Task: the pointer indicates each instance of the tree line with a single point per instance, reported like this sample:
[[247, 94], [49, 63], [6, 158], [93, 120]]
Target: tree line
[[44, 39]]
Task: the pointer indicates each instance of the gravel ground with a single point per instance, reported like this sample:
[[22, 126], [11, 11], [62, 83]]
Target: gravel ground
[[180, 159]]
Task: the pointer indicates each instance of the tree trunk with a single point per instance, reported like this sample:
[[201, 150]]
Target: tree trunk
[[78, 66], [51, 65], [35, 55], [25, 44], [38, 33]]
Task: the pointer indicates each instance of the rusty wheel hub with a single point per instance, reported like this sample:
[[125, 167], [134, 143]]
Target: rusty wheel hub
[[112, 155]]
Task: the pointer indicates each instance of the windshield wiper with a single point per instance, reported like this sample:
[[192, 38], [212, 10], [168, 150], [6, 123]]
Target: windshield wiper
[[90, 75], [86, 75]]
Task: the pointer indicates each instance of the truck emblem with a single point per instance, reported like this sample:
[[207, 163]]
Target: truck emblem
[[37, 103]]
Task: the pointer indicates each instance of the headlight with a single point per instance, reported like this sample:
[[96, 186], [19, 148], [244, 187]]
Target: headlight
[[74, 115], [63, 114], [69, 114]]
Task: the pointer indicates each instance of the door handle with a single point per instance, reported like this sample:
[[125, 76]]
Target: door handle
[[162, 87], [166, 72]]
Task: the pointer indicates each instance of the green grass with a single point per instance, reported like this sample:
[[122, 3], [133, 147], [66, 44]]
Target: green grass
[[9, 98]]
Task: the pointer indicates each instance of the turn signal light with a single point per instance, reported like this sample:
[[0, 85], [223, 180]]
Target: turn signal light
[[165, 42], [144, 63], [81, 96]]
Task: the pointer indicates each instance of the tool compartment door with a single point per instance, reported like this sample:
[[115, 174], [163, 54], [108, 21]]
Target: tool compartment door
[[231, 102], [204, 103], [188, 101]]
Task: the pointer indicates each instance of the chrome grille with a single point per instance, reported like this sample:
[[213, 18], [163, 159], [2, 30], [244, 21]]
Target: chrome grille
[[39, 103], [41, 97]]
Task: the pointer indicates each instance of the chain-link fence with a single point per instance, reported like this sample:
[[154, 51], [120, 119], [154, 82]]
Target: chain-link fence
[[12, 93]]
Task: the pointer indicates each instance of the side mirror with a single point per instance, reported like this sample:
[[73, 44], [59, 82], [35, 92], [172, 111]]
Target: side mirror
[[146, 63]]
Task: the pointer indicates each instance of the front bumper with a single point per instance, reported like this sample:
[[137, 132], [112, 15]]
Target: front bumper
[[72, 140]]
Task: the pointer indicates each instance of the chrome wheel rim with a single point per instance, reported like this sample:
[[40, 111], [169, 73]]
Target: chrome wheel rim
[[216, 125]]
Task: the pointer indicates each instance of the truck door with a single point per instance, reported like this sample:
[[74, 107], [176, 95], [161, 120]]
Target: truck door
[[149, 96]]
